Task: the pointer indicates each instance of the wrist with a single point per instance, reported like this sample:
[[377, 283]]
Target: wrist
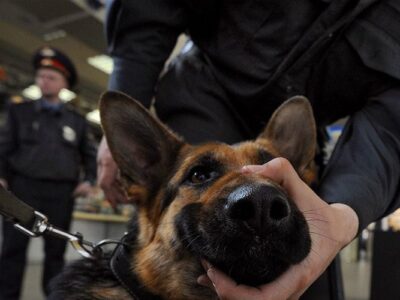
[[346, 221]]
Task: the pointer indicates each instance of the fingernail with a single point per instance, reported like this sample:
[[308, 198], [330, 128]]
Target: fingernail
[[211, 275], [206, 265], [203, 280], [250, 169]]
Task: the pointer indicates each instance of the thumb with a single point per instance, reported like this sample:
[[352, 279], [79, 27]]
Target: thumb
[[278, 170], [227, 288], [282, 172]]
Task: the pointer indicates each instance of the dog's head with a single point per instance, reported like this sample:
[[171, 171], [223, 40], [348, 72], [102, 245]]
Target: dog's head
[[193, 202]]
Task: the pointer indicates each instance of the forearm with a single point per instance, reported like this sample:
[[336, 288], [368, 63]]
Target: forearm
[[364, 172]]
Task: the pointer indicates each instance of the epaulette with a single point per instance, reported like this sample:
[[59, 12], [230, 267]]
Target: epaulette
[[17, 99]]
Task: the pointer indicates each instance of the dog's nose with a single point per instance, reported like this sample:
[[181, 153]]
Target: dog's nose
[[258, 205]]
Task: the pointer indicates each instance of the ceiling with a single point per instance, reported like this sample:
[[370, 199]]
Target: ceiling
[[74, 26]]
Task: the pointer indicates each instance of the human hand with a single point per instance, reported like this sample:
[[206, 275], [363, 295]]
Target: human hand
[[107, 175], [331, 228], [83, 189], [4, 183]]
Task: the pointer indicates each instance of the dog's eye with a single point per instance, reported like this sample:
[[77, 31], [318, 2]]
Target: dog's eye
[[199, 175]]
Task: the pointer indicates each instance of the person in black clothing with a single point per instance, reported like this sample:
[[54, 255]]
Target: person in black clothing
[[248, 57], [42, 148]]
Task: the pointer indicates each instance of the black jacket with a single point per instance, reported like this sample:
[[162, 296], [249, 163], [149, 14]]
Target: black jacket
[[336, 52], [43, 144], [250, 42]]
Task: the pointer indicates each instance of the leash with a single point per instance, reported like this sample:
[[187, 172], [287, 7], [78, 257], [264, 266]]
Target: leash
[[35, 224]]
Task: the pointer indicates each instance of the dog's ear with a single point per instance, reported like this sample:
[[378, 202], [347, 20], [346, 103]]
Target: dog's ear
[[143, 148], [292, 131]]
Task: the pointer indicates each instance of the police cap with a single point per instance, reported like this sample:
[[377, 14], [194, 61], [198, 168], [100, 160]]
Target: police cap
[[49, 57]]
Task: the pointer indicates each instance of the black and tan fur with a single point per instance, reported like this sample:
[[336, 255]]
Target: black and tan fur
[[193, 202]]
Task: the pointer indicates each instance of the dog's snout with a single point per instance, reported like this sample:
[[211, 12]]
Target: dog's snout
[[259, 206]]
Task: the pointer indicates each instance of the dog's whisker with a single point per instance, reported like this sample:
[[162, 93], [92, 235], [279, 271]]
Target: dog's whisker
[[192, 241]]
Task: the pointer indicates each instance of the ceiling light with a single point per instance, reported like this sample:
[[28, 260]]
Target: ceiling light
[[93, 116], [102, 62], [54, 35]]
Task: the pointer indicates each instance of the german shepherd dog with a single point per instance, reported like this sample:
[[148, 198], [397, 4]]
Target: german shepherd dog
[[192, 203]]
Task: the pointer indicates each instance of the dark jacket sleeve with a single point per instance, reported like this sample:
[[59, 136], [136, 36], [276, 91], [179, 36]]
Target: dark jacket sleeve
[[88, 154], [141, 35], [364, 171], [8, 141]]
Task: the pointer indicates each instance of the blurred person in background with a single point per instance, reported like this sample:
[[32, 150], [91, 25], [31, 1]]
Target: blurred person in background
[[44, 146]]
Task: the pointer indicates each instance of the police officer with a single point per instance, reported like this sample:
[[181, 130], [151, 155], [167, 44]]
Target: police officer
[[43, 147]]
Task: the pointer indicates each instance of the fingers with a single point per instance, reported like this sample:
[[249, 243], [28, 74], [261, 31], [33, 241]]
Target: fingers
[[107, 174], [76, 192], [279, 170], [111, 187], [204, 280], [225, 287], [4, 183], [83, 189], [290, 286]]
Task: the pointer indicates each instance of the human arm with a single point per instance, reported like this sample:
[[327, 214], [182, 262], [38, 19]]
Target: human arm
[[4, 183], [363, 171], [83, 189], [331, 226], [141, 35]]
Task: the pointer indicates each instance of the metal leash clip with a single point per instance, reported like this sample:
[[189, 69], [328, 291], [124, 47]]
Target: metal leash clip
[[41, 226]]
